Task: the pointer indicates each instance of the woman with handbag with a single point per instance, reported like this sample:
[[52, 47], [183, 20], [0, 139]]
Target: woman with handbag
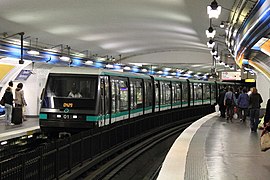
[[19, 98]]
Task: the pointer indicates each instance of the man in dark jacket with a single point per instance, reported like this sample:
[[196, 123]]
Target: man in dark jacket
[[8, 99], [222, 107], [255, 101]]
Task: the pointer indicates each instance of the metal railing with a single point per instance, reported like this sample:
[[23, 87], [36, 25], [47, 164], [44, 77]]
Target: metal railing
[[53, 160]]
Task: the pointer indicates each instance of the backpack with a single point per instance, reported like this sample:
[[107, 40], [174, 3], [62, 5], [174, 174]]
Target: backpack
[[229, 102]]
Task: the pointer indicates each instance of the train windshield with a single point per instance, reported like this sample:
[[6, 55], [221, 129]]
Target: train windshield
[[70, 91]]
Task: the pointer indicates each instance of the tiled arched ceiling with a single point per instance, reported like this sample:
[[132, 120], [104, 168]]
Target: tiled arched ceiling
[[152, 31]]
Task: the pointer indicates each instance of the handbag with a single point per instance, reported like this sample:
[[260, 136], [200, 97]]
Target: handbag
[[235, 116], [265, 141], [217, 108], [2, 102]]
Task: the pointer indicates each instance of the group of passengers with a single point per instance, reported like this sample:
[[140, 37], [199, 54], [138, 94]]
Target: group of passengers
[[8, 99], [242, 103]]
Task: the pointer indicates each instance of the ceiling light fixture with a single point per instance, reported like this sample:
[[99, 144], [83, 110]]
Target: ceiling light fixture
[[144, 70], [222, 25], [62, 57], [211, 43], [32, 51], [210, 32], [213, 52], [217, 57], [213, 10], [88, 62], [127, 68]]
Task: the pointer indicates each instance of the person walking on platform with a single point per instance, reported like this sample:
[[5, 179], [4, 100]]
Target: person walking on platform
[[8, 99], [19, 98], [229, 102], [255, 101], [243, 103], [222, 107]]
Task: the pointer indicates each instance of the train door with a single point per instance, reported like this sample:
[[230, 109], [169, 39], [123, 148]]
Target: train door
[[104, 101], [148, 94], [213, 95], [191, 102], [185, 94], [119, 98], [136, 97], [157, 96], [197, 87], [165, 95], [176, 95], [206, 93]]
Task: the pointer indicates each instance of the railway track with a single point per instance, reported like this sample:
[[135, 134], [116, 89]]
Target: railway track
[[118, 162]]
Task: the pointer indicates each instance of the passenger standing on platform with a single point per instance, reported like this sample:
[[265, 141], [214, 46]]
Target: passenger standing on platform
[[19, 98], [222, 107], [10, 84], [250, 91], [229, 102], [243, 103], [8, 99], [255, 101]]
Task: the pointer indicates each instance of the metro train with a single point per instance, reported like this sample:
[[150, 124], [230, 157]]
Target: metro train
[[84, 98]]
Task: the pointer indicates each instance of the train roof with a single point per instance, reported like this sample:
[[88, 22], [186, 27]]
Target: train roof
[[93, 71], [228, 83], [169, 79], [199, 81]]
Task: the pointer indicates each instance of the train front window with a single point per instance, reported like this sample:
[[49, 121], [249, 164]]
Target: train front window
[[70, 91]]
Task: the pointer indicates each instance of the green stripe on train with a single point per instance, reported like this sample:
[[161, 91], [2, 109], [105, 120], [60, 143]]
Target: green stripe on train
[[43, 116], [115, 115]]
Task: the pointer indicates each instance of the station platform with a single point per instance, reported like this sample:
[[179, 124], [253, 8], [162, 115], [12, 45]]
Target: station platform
[[26, 128], [213, 149]]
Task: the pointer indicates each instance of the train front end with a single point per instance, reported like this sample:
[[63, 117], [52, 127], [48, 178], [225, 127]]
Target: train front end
[[69, 103]]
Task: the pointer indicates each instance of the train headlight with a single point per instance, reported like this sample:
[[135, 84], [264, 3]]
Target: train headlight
[[74, 116], [58, 115]]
